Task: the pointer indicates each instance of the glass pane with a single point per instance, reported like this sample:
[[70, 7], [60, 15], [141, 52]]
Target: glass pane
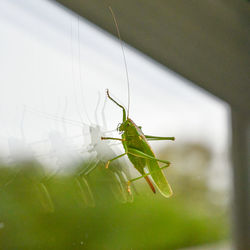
[[56, 190]]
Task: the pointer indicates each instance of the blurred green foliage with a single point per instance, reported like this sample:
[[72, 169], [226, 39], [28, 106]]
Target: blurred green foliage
[[55, 213]]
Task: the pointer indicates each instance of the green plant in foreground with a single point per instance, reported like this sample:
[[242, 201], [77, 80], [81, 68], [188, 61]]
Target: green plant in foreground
[[150, 222]]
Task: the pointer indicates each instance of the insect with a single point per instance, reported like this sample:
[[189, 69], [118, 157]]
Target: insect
[[103, 151], [136, 144], [140, 154]]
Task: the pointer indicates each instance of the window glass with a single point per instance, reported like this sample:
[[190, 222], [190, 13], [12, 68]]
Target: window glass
[[55, 69]]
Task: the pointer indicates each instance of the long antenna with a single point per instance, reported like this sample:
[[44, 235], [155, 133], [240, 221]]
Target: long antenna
[[123, 53]]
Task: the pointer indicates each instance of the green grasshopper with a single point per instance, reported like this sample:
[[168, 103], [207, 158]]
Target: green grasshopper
[[136, 145], [140, 153]]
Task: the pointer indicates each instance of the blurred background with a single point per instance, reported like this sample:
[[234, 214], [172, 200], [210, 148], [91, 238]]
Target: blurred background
[[55, 191]]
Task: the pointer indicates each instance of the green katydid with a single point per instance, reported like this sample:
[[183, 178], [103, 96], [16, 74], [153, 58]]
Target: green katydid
[[136, 144], [140, 153]]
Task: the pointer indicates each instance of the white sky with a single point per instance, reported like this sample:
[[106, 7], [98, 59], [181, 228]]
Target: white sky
[[55, 62]]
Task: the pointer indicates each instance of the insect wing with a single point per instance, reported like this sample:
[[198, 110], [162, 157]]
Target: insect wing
[[159, 178]]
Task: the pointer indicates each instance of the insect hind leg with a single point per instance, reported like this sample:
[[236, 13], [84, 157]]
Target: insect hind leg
[[139, 153], [142, 176]]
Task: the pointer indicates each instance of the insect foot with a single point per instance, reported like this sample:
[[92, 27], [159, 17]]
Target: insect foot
[[107, 164], [128, 187]]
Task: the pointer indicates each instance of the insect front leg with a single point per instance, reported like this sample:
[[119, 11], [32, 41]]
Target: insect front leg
[[111, 138], [123, 109], [158, 138]]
